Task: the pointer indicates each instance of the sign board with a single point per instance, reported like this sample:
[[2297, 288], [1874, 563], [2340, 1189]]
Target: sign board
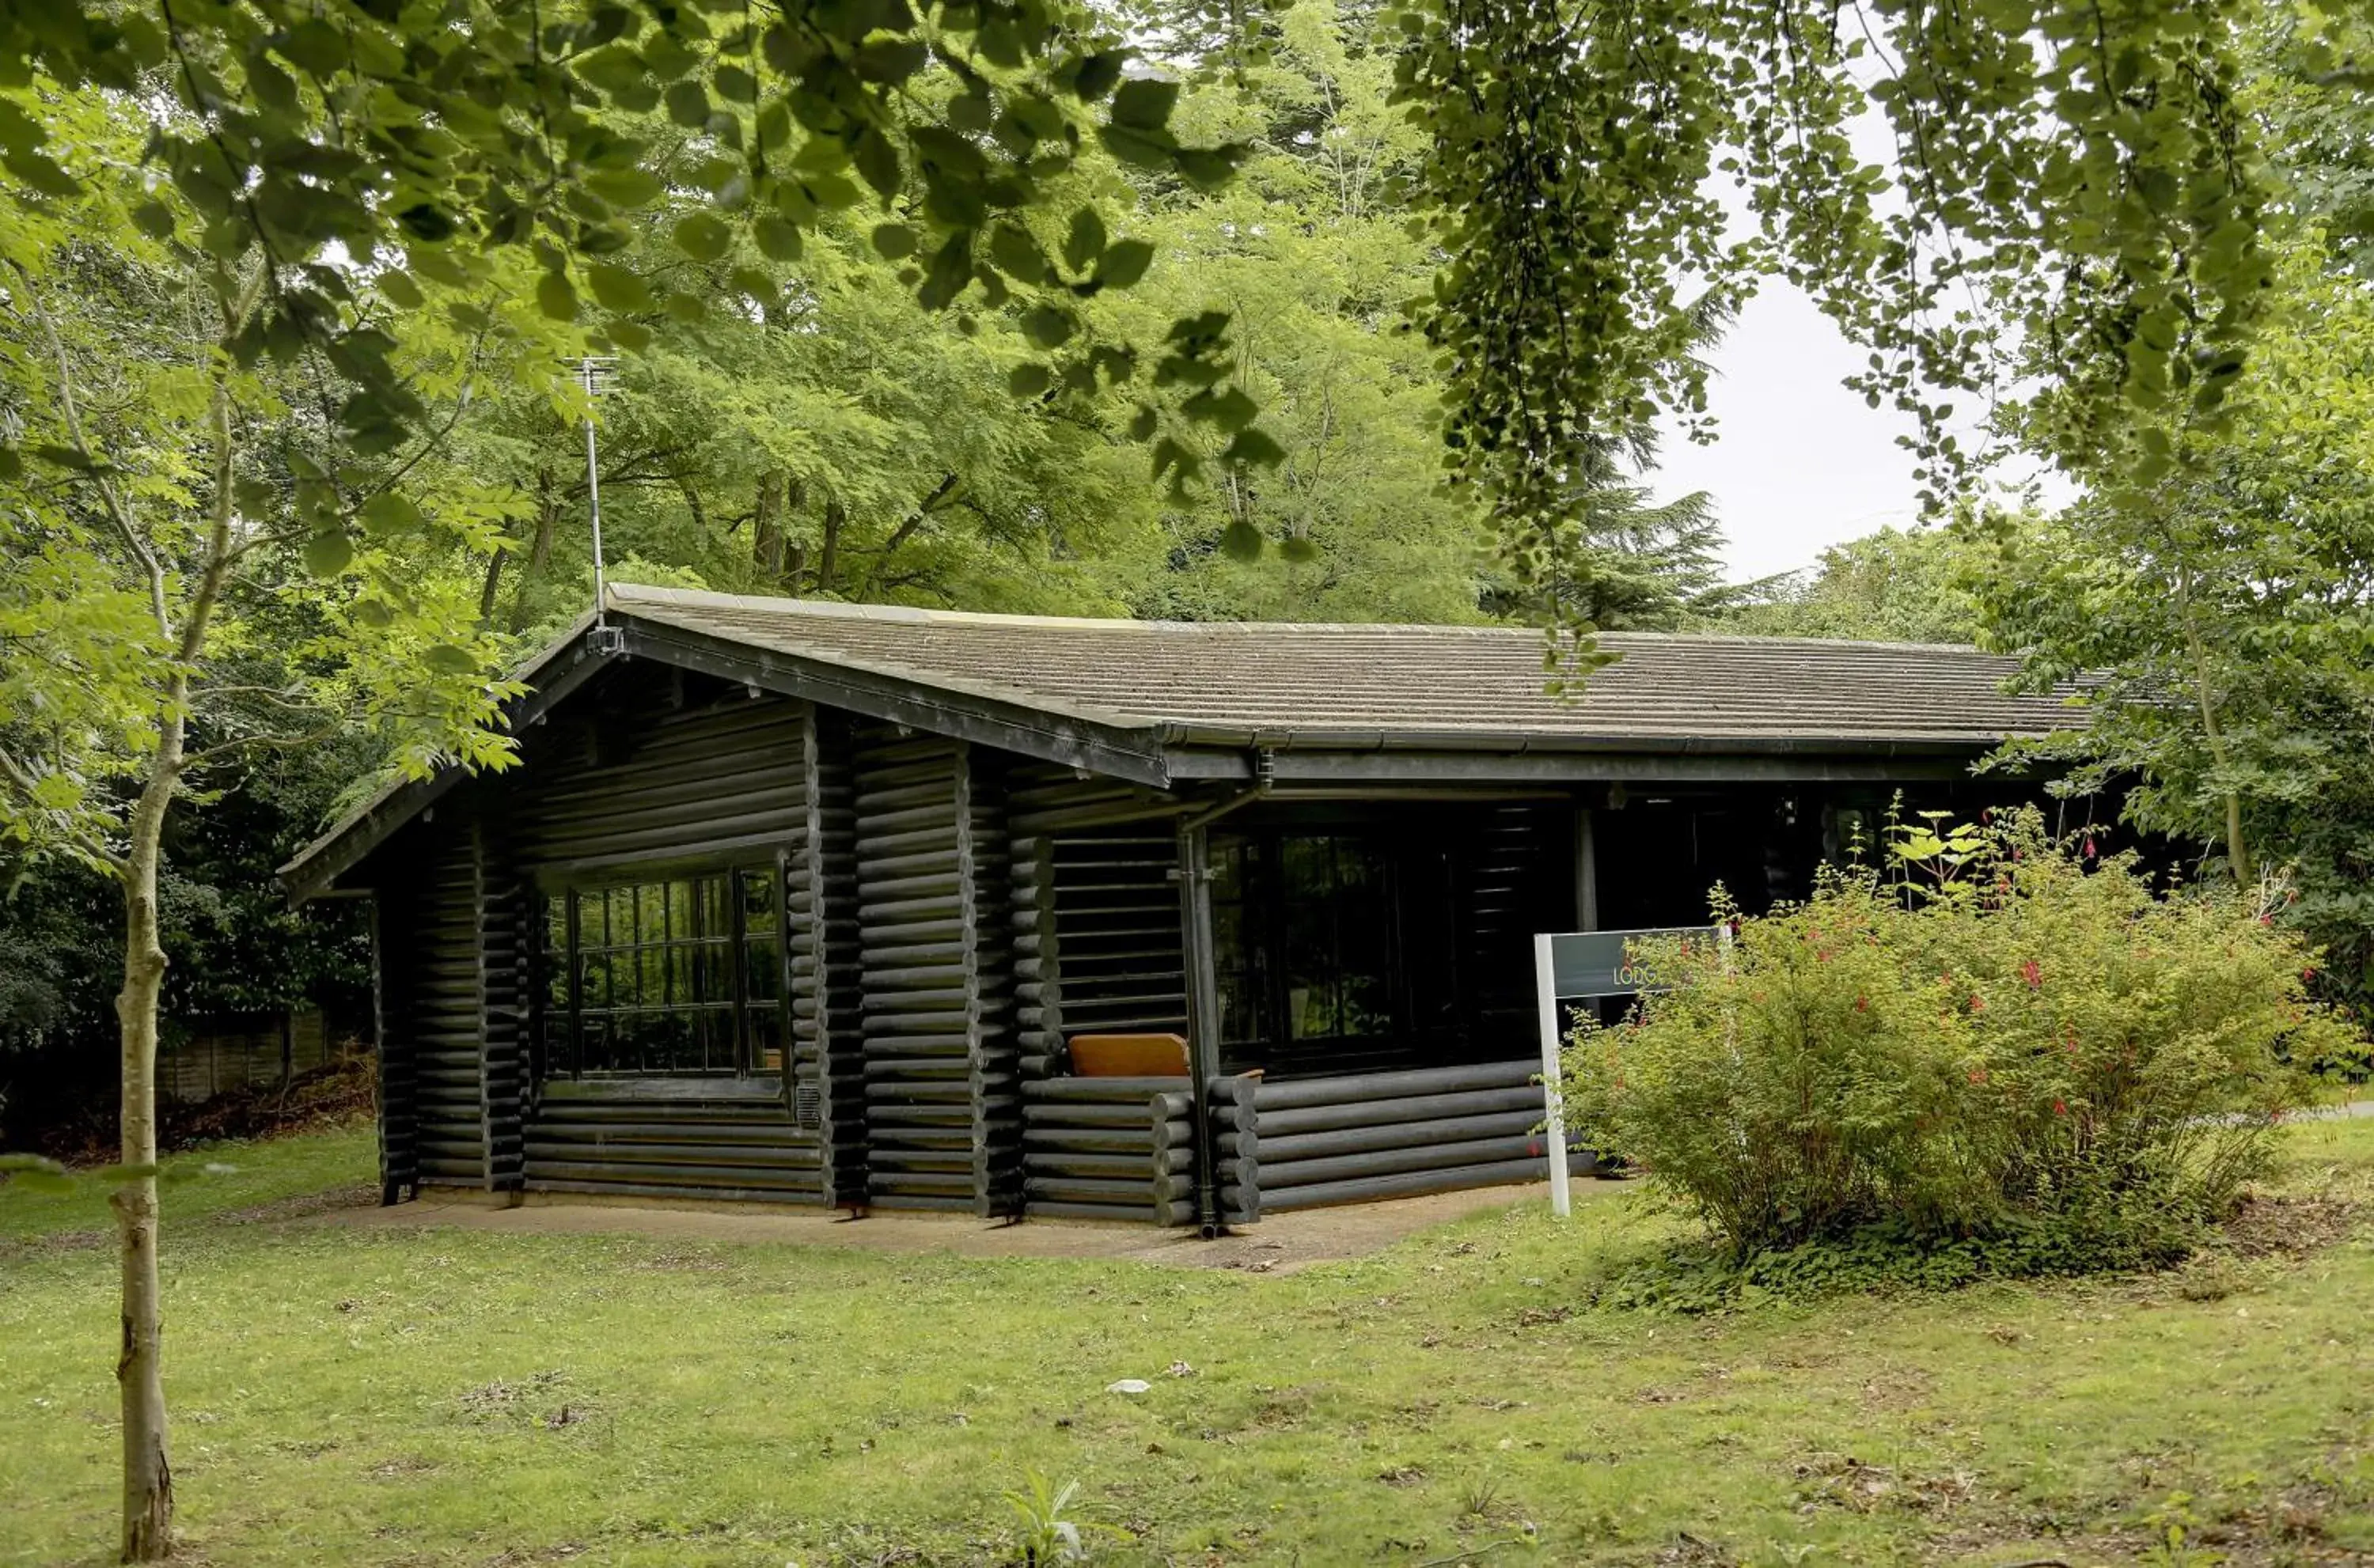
[[1597, 964], [1577, 966]]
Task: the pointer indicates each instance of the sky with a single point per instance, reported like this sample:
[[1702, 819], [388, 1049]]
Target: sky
[[1803, 462]]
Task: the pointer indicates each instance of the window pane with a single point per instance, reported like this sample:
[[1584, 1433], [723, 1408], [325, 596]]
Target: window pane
[[758, 901], [1363, 938], [665, 984], [762, 971]]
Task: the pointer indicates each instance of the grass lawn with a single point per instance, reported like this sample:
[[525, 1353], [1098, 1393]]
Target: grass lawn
[[358, 1396]]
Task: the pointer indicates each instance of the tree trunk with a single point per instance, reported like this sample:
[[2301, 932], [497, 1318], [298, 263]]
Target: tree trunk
[[139, 1363], [139, 1367], [539, 553], [836, 517], [491, 589], [2238, 853], [767, 528]]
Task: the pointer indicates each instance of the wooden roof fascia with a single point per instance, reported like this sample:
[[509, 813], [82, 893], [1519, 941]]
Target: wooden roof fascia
[[310, 872], [1386, 767], [1127, 752]]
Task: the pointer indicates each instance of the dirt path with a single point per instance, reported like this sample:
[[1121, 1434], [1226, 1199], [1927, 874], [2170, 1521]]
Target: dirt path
[[1279, 1243]]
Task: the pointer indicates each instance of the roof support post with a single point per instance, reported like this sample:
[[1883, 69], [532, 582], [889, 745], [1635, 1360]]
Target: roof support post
[[1203, 1015]]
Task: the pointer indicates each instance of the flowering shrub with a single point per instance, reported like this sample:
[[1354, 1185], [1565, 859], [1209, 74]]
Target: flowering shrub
[[2012, 1043]]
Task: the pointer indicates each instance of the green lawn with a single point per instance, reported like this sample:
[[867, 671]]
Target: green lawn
[[371, 1397]]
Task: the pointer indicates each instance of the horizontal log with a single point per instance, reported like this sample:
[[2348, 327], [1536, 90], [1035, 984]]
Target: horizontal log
[[1407, 1184], [1378, 1113], [1335, 1091], [1391, 1135], [1282, 1175], [1103, 1090]]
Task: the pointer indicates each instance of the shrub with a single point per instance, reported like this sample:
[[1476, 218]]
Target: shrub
[[2013, 1044]]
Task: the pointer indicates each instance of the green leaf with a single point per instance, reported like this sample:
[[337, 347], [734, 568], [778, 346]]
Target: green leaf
[[629, 188], [328, 554], [757, 286], [390, 511], [1254, 447], [556, 297], [1144, 104], [1099, 74], [400, 289], [447, 660], [703, 235], [1241, 540], [1142, 424], [618, 289], [877, 162], [154, 218], [1124, 263], [1047, 326], [1085, 241], [1231, 409], [688, 105], [1207, 169], [1028, 379], [1298, 549], [1016, 254], [894, 241], [43, 173], [779, 239]]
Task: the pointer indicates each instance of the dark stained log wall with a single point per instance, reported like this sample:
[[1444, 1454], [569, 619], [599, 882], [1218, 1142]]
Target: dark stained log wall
[[827, 976], [500, 905], [921, 1004], [651, 769], [433, 1026]]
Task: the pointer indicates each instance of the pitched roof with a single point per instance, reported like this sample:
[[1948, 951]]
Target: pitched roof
[[1309, 684], [1166, 702]]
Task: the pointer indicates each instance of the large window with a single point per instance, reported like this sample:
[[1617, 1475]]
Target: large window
[[1304, 929], [677, 976]]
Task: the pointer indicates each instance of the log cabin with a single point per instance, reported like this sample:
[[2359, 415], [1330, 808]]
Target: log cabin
[[848, 905]]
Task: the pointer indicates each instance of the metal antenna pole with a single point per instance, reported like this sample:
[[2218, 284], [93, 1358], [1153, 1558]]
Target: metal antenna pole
[[594, 374]]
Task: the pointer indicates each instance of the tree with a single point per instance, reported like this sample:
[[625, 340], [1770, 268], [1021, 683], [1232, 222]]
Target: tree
[[2222, 620], [1897, 585], [2075, 206], [363, 210]]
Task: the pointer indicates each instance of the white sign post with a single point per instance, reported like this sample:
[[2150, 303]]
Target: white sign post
[[1553, 1072], [1577, 967]]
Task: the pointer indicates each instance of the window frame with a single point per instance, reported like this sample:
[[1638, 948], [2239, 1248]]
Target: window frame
[[561, 1054], [1259, 903]]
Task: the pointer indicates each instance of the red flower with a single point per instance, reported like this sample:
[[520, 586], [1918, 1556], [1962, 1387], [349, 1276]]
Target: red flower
[[2060, 1107], [2308, 972], [1862, 1004], [1978, 1002], [2033, 973], [1977, 1075]]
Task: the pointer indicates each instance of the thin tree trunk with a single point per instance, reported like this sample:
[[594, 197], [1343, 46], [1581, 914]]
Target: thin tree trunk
[[766, 527], [491, 589], [2238, 853], [827, 558], [539, 553], [139, 1366]]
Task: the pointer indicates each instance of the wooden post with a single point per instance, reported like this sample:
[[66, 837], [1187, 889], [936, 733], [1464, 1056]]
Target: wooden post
[[1203, 1015]]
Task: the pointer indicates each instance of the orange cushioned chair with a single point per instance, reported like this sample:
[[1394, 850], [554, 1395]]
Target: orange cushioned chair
[[1129, 1056]]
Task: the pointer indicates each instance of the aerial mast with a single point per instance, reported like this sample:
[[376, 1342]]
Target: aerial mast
[[597, 373]]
